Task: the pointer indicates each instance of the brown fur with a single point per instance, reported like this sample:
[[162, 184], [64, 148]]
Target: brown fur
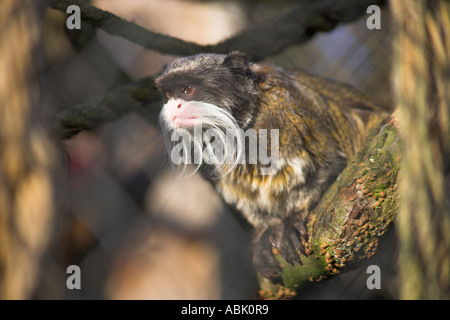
[[321, 124]]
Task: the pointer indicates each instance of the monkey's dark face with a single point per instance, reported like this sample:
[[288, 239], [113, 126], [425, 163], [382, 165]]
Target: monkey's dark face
[[207, 88], [212, 94]]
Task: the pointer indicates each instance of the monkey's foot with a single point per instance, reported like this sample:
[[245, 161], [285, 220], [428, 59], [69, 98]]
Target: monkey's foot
[[284, 238], [263, 256], [293, 236]]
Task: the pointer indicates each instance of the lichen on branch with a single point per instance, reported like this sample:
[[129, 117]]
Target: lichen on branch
[[353, 214]]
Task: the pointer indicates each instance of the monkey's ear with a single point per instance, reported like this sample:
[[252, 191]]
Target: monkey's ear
[[237, 61]]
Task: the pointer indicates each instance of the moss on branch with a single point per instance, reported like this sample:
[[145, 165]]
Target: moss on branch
[[351, 217]]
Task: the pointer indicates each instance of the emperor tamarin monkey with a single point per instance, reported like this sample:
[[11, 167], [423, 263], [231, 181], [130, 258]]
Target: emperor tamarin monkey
[[320, 125]]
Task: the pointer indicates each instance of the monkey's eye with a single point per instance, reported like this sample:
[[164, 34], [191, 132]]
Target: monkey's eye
[[169, 95], [188, 90]]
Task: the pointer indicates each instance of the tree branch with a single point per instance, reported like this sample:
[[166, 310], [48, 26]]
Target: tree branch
[[115, 25], [141, 96], [351, 217], [260, 41]]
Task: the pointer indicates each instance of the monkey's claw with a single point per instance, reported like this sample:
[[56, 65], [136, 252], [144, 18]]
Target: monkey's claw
[[286, 238], [292, 235], [262, 254]]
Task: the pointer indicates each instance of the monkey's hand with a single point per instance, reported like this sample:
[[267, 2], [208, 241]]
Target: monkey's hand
[[286, 237]]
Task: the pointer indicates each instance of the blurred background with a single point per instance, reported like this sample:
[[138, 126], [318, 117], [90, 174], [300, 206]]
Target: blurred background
[[135, 230]]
